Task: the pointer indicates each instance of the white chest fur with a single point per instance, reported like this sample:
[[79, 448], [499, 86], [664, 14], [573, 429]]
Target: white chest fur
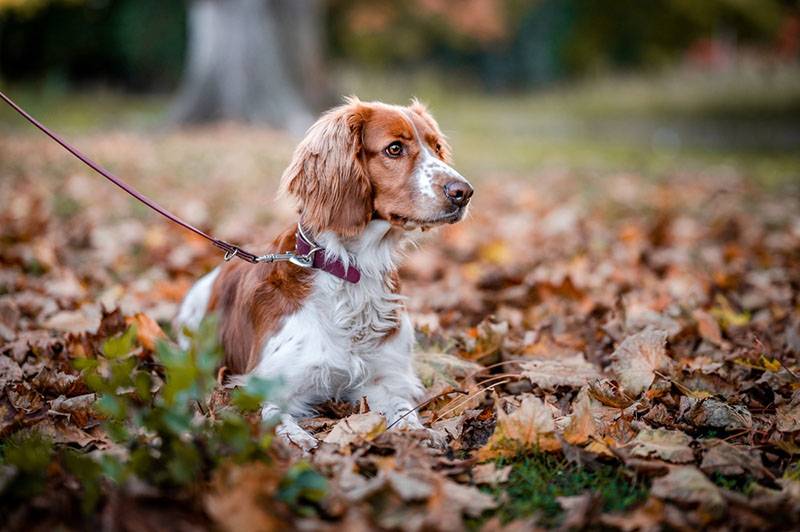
[[344, 334]]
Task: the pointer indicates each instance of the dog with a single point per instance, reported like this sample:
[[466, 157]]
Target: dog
[[331, 323]]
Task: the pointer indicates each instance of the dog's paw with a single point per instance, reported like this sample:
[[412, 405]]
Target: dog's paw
[[409, 422], [298, 437], [436, 438]]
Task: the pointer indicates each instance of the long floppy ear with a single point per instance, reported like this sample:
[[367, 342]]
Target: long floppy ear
[[327, 175]]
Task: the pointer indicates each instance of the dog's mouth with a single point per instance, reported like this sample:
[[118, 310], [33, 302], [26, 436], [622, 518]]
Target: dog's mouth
[[410, 224]]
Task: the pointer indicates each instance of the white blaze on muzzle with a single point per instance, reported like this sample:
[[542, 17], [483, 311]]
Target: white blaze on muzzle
[[429, 166]]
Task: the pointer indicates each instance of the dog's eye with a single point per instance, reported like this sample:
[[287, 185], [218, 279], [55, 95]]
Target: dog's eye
[[394, 150], [438, 147]]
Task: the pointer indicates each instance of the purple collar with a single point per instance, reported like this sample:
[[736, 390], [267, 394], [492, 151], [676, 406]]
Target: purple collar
[[315, 257]]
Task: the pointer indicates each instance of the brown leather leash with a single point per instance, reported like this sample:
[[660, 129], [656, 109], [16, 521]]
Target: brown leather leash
[[231, 250]]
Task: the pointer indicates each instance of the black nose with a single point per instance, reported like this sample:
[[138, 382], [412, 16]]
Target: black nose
[[458, 192]]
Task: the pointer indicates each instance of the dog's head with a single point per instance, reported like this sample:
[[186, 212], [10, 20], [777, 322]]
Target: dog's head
[[368, 160]]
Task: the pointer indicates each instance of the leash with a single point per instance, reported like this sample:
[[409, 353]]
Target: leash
[[306, 249], [231, 250]]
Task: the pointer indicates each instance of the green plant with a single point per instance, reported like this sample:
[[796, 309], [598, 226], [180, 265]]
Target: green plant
[[167, 431]]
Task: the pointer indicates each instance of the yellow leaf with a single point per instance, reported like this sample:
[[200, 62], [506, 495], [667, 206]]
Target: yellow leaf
[[727, 316], [497, 253], [773, 365]]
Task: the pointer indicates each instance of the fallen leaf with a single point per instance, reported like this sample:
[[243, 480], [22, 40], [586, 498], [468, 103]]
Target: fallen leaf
[[433, 367], [80, 408], [490, 474], [687, 484], [87, 319], [609, 394], [408, 487], [726, 459], [572, 371], [708, 327], [637, 359], [65, 432], [712, 412], [148, 332], [787, 415], [582, 426], [9, 371], [58, 382], [450, 501], [530, 426], [239, 498], [645, 518], [577, 510], [356, 428], [669, 445]]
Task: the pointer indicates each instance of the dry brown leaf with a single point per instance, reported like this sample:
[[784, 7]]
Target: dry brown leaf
[[669, 445], [59, 382], [572, 371], [450, 501], [9, 371], [788, 415], [86, 319], [726, 459], [687, 484], [356, 428], [409, 487], [645, 518], [708, 327], [582, 425], [435, 367], [148, 332], [80, 408], [239, 499], [712, 412], [610, 394], [530, 426], [637, 359], [577, 510], [67, 433], [490, 474]]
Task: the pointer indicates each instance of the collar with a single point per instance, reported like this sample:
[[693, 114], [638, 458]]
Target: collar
[[313, 256]]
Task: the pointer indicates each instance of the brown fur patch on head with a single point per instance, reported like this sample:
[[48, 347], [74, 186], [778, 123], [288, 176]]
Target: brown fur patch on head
[[327, 176], [437, 140]]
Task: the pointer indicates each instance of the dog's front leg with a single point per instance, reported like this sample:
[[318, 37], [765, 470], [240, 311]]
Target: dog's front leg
[[393, 388]]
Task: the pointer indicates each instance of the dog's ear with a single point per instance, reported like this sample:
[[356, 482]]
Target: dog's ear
[[327, 175]]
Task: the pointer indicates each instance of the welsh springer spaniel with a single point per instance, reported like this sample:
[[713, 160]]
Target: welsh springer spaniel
[[364, 176]]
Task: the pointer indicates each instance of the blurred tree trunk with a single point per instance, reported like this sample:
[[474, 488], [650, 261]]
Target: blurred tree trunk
[[254, 61]]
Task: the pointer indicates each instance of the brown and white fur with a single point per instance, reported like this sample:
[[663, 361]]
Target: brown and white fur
[[364, 176]]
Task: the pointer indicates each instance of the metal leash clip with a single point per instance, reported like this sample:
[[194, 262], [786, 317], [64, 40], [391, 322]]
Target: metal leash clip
[[304, 261]]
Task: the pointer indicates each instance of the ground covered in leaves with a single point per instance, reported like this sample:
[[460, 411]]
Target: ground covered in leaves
[[616, 351]]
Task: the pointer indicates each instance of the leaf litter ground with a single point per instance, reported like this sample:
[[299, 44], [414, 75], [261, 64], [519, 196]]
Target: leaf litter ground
[[610, 351]]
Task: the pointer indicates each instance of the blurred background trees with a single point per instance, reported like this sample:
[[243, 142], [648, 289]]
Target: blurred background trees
[[142, 44], [253, 60], [276, 61]]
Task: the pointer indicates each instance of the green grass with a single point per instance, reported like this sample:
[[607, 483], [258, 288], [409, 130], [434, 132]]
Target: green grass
[[537, 480], [741, 483]]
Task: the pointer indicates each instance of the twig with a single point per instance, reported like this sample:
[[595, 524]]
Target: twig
[[467, 399], [424, 404]]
